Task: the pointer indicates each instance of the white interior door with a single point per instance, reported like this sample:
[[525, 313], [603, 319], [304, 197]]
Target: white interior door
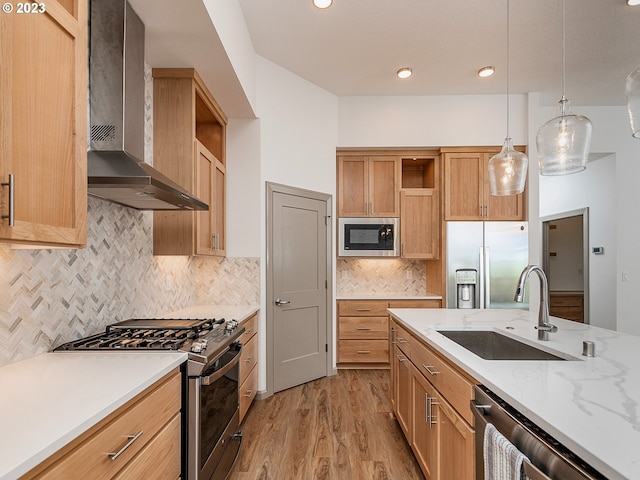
[[299, 290]]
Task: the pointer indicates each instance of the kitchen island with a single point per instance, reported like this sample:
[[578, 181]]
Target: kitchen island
[[590, 404]]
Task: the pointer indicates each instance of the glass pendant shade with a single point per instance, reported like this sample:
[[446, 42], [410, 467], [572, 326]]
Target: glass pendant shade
[[563, 143], [633, 101], [508, 170]]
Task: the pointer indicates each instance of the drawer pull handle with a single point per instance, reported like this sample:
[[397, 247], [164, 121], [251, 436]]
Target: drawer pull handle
[[249, 359], [363, 328], [363, 310], [401, 340], [364, 352], [132, 438], [401, 358], [248, 394], [428, 369]]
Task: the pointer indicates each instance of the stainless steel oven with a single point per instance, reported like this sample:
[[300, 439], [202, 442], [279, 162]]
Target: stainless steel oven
[[210, 436], [368, 237], [213, 441]]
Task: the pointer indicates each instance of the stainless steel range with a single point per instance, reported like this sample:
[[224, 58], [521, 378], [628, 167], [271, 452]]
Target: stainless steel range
[[211, 439]]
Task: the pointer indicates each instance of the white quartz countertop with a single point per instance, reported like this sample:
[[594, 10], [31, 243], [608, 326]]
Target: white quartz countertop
[[590, 404], [48, 400]]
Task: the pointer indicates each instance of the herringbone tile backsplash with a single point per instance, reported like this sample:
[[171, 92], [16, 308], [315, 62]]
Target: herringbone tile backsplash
[[48, 297], [393, 276]]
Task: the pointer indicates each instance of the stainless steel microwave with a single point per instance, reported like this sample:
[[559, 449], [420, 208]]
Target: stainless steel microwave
[[369, 237]]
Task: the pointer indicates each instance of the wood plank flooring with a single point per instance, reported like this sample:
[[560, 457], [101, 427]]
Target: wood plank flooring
[[334, 428]]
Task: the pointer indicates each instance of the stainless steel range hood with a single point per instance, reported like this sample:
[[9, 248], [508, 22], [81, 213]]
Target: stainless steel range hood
[[116, 171]]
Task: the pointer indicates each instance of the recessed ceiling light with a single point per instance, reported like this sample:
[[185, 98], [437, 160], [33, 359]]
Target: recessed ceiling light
[[486, 71], [404, 72], [322, 3], [633, 2]]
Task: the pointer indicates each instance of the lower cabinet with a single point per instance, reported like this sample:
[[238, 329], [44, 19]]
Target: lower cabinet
[[141, 439], [438, 426], [248, 364], [363, 330]]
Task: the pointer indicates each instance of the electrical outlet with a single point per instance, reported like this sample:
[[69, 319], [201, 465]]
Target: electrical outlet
[[344, 275], [626, 277], [409, 275]]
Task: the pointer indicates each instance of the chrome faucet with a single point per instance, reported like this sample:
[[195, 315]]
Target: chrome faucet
[[544, 327]]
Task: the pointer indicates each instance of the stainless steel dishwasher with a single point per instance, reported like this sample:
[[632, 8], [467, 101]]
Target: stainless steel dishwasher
[[547, 458]]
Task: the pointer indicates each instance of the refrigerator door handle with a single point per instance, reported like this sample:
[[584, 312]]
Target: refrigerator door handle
[[487, 278], [481, 279]]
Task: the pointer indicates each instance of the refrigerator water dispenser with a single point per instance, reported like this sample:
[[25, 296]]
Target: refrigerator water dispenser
[[466, 280]]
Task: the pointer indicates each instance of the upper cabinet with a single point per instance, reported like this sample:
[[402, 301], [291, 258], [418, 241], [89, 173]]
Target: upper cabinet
[[189, 135], [368, 186], [467, 193], [420, 207], [43, 113]]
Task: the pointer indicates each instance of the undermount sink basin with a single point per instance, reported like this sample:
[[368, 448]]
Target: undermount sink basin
[[492, 345]]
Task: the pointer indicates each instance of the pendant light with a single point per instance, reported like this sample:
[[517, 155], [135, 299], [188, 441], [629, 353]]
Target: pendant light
[[508, 169], [563, 142], [633, 101]]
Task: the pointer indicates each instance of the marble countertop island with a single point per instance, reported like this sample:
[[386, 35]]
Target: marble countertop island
[[590, 404]]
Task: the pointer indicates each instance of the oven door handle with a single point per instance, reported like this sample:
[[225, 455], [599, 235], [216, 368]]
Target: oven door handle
[[209, 379]]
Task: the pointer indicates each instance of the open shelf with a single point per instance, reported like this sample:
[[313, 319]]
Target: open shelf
[[419, 172]]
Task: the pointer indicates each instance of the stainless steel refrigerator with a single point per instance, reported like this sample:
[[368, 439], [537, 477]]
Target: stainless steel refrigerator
[[498, 251]]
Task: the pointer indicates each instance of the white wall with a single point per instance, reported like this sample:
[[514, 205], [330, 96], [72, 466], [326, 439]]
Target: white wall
[[430, 121], [292, 143], [244, 202], [591, 188]]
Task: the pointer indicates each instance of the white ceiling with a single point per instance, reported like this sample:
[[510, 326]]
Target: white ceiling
[[356, 46]]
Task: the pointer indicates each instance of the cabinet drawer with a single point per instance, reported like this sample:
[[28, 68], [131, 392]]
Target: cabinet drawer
[[401, 338], [415, 303], [565, 300], [363, 351], [160, 458], [363, 327], [250, 328], [452, 385], [248, 390], [90, 459], [362, 308], [249, 357]]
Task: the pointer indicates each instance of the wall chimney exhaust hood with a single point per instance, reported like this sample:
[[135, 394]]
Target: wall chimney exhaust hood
[[116, 171]]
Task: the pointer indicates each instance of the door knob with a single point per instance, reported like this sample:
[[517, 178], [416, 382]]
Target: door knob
[[282, 302]]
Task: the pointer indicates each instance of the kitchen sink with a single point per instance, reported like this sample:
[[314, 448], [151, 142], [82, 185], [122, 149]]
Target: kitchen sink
[[492, 345]]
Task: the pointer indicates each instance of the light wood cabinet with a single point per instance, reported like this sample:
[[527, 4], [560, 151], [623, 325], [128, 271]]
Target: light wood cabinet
[[248, 364], [440, 429], [567, 304], [420, 223], [467, 192], [368, 186], [363, 331], [43, 111], [143, 435], [189, 144]]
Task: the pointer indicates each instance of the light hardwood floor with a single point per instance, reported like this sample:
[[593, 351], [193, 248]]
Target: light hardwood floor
[[334, 428]]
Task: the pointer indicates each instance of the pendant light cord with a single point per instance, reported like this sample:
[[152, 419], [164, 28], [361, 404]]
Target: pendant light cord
[[563, 100], [508, 68]]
